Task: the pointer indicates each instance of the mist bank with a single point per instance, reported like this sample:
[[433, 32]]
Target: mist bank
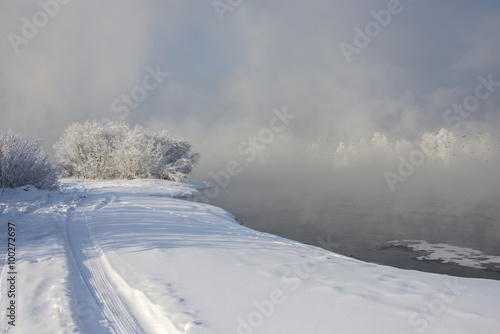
[[332, 187], [456, 164]]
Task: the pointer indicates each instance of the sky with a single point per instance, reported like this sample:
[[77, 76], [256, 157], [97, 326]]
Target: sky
[[352, 92]]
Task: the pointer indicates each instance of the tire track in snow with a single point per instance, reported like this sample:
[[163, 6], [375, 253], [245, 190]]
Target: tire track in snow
[[87, 257]]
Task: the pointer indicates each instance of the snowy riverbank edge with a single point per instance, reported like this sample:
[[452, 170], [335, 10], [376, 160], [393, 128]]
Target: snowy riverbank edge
[[126, 256]]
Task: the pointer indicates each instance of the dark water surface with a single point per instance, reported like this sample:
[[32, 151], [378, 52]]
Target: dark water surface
[[357, 225]]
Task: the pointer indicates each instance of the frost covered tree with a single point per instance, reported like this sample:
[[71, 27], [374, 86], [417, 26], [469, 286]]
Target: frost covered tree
[[115, 151], [23, 162]]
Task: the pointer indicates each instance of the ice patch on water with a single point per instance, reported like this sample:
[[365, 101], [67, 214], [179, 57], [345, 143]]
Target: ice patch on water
[[444, 253]]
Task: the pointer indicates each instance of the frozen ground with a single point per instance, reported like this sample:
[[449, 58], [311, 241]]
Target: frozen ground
[[128, 257]]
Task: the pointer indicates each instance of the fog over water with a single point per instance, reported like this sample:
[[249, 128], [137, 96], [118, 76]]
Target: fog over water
[[363, 121]]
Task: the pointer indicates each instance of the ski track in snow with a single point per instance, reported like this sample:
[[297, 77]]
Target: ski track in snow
[[88, 257], [124, 309], [120, 261], [102, 302]]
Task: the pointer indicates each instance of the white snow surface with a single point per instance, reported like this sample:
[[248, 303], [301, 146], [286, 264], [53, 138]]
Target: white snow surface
[[128, 257], [462, 256]]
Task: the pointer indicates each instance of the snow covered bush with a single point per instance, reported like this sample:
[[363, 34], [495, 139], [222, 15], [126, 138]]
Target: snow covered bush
[[113, 150], [23, 162]]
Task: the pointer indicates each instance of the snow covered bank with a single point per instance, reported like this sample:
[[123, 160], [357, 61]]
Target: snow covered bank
[[127, 257]]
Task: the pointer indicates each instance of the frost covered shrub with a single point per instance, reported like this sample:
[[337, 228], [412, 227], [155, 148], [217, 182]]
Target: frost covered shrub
[[23, 162], [86, 150], [113, 150]]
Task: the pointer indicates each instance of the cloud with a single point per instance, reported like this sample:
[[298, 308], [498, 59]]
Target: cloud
[[71, 69], [226, 77]]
